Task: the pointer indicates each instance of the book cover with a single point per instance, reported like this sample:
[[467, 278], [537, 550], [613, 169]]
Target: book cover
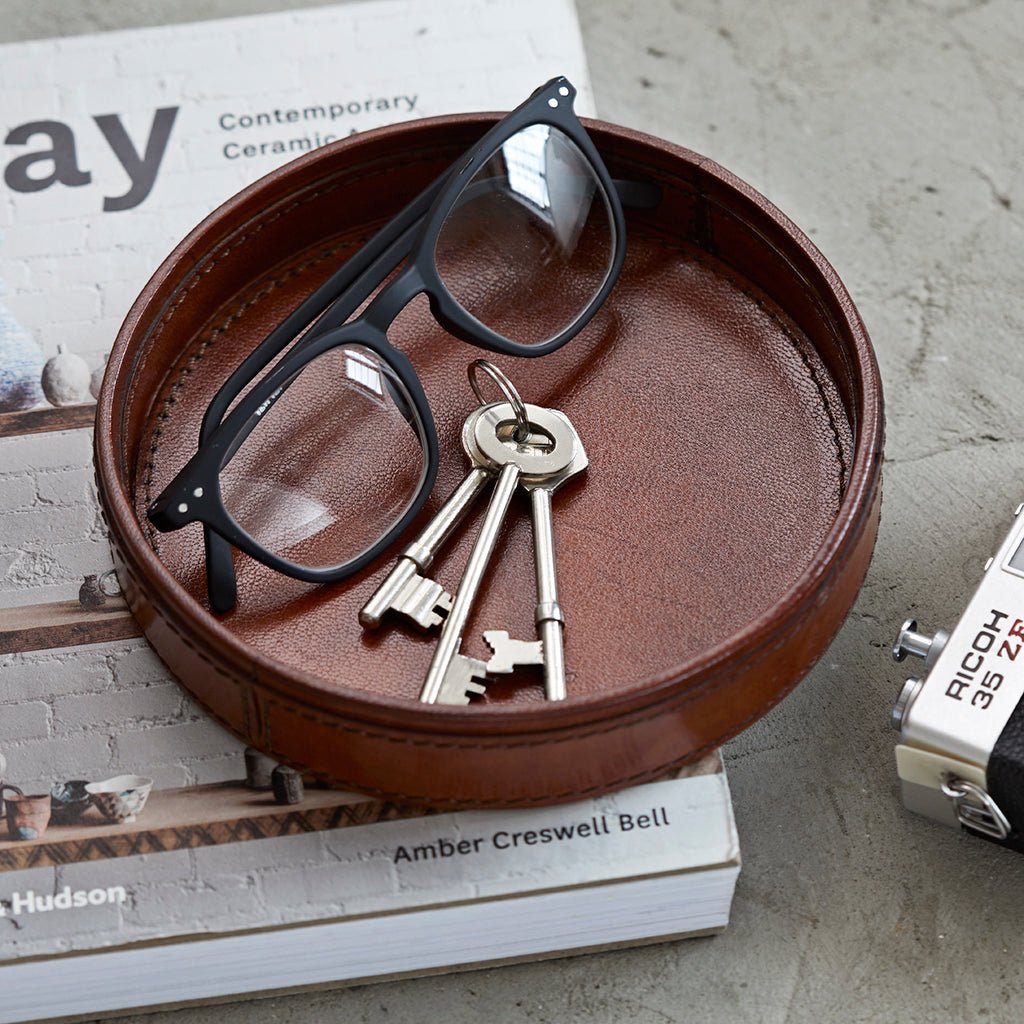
[[114, 146], [392, 894]]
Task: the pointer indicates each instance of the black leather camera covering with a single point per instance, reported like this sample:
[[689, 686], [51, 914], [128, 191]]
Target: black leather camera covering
[[1005, 772]]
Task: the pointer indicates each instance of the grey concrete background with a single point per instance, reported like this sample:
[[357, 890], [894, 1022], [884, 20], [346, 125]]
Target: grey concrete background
[[893, 134]]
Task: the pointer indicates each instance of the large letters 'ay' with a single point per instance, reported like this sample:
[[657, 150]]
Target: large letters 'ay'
[[63, 157]]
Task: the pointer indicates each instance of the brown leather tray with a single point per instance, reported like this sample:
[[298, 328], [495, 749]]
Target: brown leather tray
[[730, 404]]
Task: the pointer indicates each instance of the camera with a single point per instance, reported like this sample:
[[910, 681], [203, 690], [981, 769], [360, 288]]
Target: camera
[[960, 757]]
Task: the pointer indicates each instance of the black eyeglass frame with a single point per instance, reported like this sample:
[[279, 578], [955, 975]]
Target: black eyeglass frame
[[194, 494]]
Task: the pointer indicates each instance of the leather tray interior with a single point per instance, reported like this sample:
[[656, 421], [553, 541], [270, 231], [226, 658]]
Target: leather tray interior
[[725, 393]]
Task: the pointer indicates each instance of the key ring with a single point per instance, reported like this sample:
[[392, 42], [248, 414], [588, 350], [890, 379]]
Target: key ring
[[508, 389]]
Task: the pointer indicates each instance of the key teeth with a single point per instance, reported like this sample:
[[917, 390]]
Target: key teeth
[[465, 677], [431, 620], [423, 601], [509, 653], [478, 688], [494, 638]]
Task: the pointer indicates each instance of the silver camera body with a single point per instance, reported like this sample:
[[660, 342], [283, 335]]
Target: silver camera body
[[961, 752]]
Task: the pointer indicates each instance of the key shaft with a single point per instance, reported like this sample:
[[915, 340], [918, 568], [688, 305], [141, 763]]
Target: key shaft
[[549, 616], [423, 550], [548, 613], [451, 633]]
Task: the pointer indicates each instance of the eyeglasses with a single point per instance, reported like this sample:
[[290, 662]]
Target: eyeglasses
[[528, 219]]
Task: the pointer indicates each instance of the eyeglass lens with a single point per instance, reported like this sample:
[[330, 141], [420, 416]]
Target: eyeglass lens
[[530, 240], [331, 465]]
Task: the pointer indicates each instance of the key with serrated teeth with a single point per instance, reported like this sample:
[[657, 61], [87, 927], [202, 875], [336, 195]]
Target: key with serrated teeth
[[415, 597], [549, 448], [509, 653]]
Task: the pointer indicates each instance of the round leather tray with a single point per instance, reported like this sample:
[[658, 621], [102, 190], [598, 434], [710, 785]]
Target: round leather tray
[[731, 408]]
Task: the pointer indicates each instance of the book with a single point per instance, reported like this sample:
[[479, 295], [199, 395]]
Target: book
[[392, 893], [114, 146]]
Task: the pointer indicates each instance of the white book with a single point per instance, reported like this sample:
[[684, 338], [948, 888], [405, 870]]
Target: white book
[[393, 898], [215, 881]]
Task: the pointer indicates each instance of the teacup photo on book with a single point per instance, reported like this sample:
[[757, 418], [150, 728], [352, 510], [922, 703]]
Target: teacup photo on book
[[27, 816], [121, 798], [70, 800]]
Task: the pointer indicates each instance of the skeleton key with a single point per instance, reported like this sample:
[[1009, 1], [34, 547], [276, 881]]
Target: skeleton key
[[452, 676], [407, 590], [548, 649]]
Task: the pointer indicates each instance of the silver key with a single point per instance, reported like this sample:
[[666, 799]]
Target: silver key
[[464, 678], [407, 590], [548, 614], [550, 619], [451, 674]]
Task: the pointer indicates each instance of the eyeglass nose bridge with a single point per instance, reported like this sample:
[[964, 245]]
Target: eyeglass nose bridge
[[385, 306]]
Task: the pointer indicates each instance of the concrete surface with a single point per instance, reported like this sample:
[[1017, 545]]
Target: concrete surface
[[891, 133]]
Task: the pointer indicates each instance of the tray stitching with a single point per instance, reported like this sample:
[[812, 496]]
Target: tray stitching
[[653, 711], [257, 295], [603, 787], [163, 416], [622, 780], [251, 679]]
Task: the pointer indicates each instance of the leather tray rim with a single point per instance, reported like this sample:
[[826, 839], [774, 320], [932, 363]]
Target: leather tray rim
[[696, 674]]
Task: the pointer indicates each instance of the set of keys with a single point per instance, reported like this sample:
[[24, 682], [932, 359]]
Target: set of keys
[[518, 446]]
